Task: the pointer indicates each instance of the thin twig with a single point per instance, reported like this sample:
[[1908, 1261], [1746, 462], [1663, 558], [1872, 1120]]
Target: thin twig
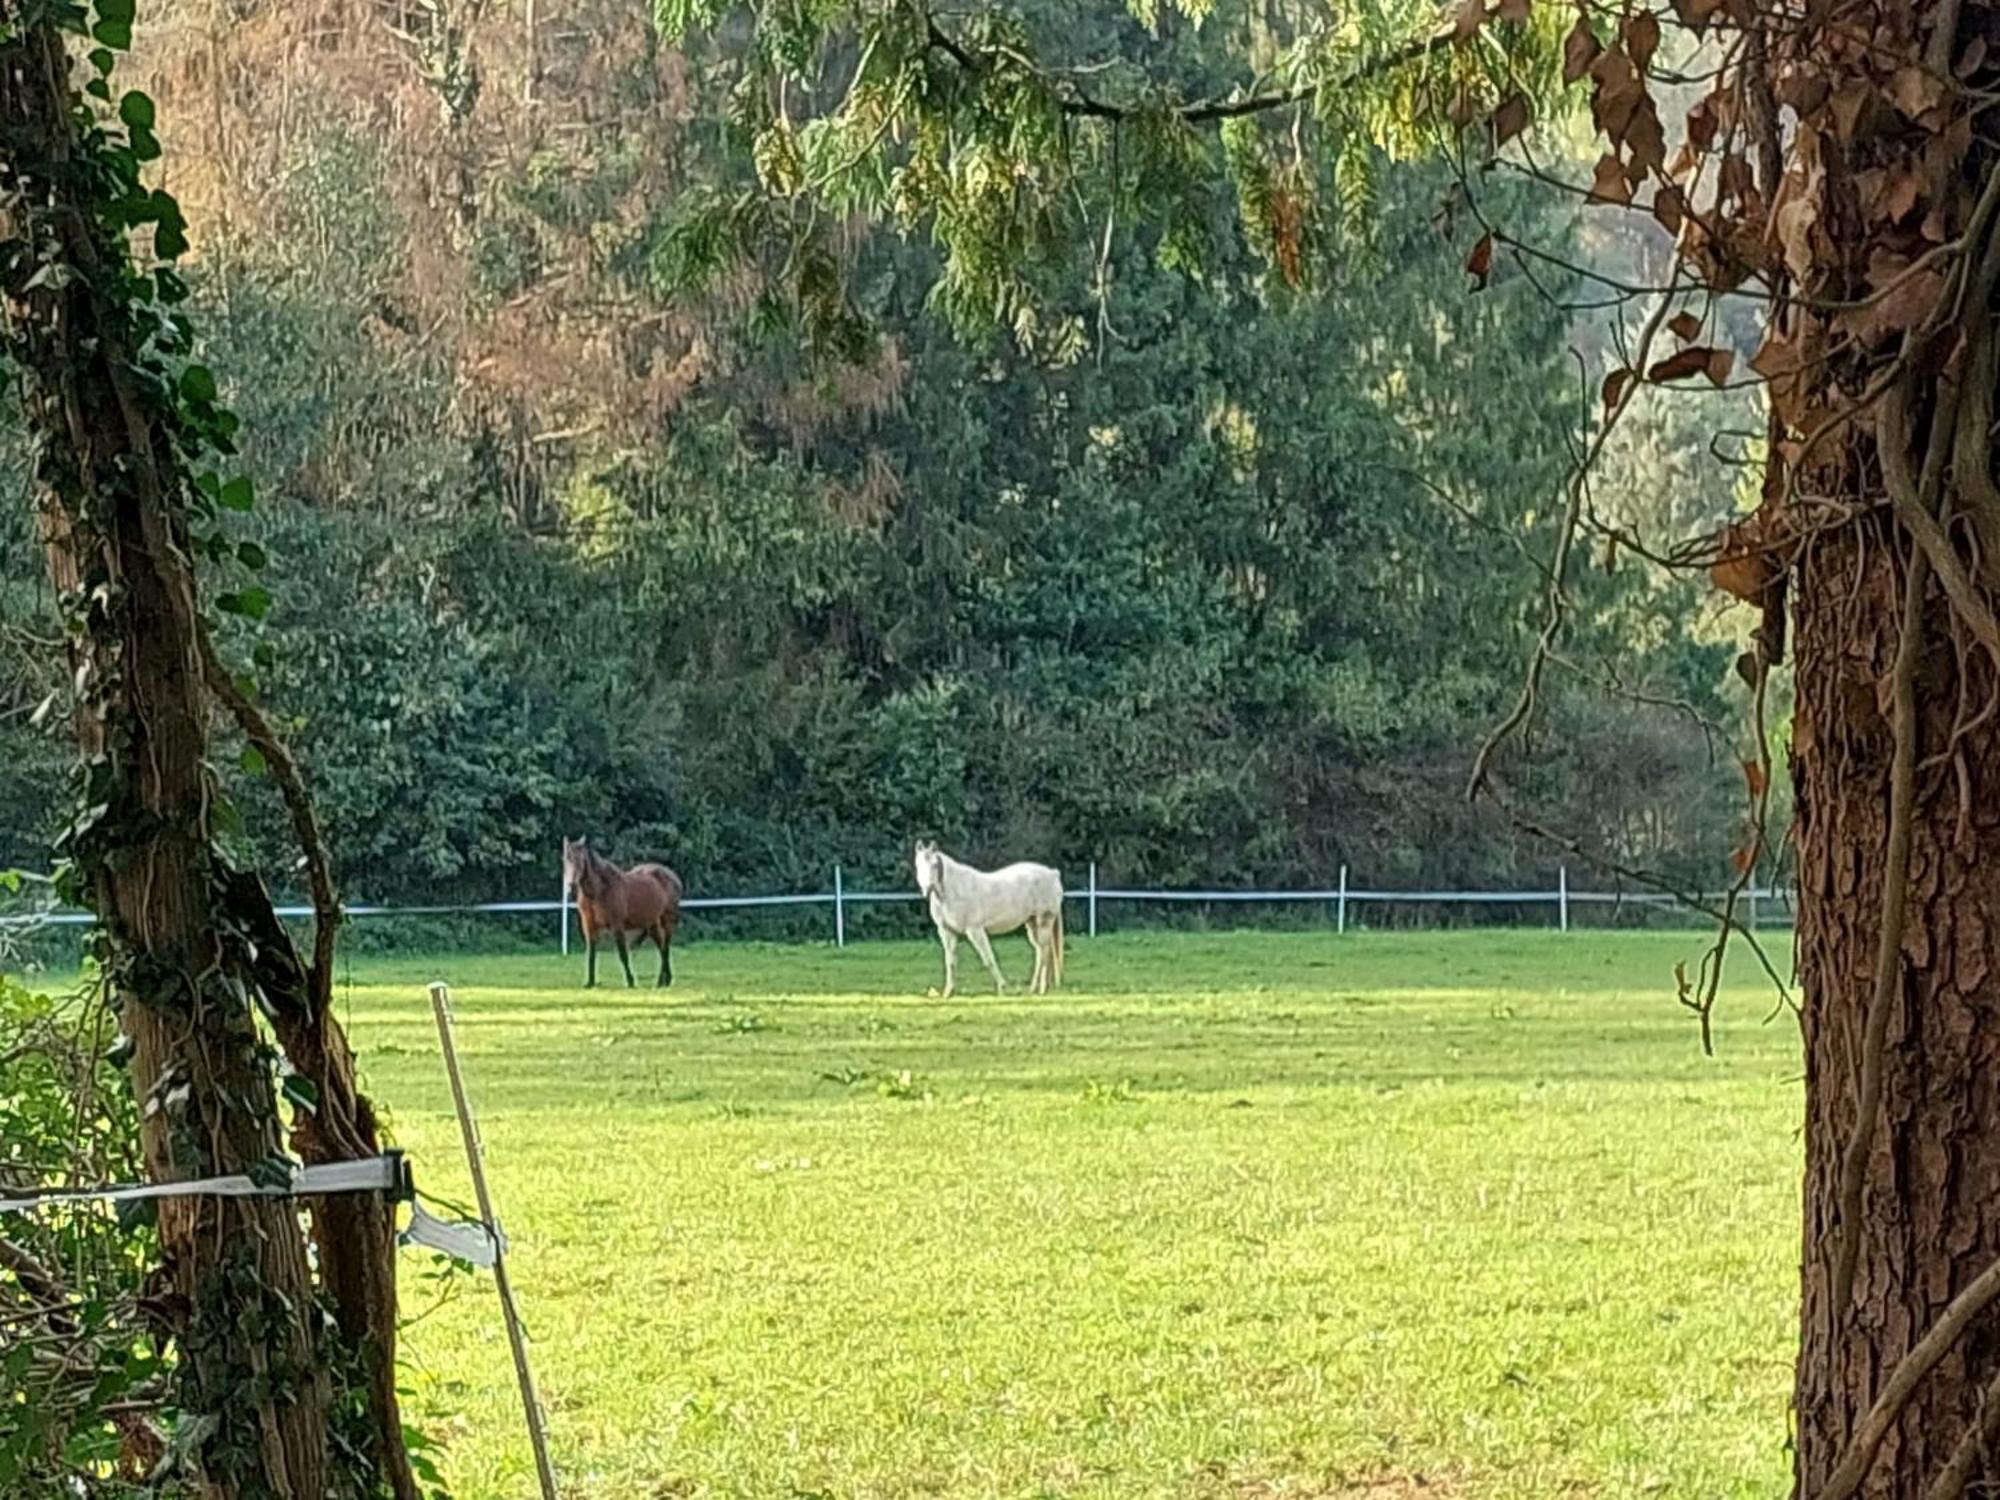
[[298, 805], [1892, 445]]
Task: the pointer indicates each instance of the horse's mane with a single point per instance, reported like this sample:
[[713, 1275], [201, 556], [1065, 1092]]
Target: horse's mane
[[592, 868]]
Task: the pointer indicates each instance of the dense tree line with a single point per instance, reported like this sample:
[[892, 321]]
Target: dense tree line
[[1205, 588]]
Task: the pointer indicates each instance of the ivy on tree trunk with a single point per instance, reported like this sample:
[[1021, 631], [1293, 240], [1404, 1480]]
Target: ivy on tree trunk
[[124, 430]]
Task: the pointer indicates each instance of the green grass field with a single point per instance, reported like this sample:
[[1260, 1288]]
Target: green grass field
[[1250, 1215]]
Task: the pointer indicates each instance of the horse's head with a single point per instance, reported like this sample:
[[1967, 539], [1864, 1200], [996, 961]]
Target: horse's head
[[930, 866], [575, 860]]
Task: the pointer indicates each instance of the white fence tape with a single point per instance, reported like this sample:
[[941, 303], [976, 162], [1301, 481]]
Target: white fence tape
[[378, 1174]]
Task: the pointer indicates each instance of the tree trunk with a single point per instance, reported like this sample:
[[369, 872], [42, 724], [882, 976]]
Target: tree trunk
[[1931, 1205], [187, 941], [1882, 381], [236, 1289]]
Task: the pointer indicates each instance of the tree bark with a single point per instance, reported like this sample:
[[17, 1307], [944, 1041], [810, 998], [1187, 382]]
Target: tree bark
[[1931, 1202]]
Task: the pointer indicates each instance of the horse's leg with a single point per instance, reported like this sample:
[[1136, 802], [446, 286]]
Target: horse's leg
[[1038, 939], [950, 940], [984, 949], [625, 958], [590, 967], [666, 941]]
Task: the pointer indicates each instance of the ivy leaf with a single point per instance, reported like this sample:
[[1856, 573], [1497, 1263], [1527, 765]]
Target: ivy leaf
[[252, 603], [237, 494], [198, 384], [275, 1170], [136, 110], [114, 34], [301, 1091], [253, 762], [252, 556], [103, 59]]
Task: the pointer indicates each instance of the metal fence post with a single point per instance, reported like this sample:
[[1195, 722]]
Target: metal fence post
[[565, 914], [1562, 894], [1750, 894], [1093, 898], [839, 910], [1340, 924]]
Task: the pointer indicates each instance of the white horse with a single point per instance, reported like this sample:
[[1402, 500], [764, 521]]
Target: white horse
[[969, 903]]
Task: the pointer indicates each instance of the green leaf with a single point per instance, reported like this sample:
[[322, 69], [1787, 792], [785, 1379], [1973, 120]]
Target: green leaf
[[252, 603], [103, 59], [253, 761], [145, 145], [114, 34], [198, 384], [301, 1091], [136, 110], [252, 556], [170, 239], [237, 494]]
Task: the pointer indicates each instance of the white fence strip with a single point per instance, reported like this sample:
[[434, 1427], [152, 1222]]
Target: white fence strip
[[1341, 898]]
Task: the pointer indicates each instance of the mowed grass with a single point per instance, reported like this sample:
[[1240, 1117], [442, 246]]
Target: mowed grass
[[1244, 1215]]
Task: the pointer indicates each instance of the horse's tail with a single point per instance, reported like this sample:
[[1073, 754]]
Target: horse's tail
[[1057, 962]]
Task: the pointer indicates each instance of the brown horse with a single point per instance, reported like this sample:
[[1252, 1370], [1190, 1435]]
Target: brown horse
[[645, 899]]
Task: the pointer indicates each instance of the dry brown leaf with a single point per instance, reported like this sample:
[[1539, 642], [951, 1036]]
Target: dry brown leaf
[[1685, 325], [1510, 119], [1645, 142], [1618, 93], [1744, 576], [1910, 299], [1703, 121], [1479, 264], [1902, 195], [1743, 860], [1801, 89], [1695, 14], [1512, 10], [1608, 184], [1793, 224], [1463, 108], [1467, 19], [1970, 59], [1738, 180], [1580, 50], [1614, 388], [1641, 38], [1854, 108], [1670, 208], [1916, 91], [1698, 360]]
